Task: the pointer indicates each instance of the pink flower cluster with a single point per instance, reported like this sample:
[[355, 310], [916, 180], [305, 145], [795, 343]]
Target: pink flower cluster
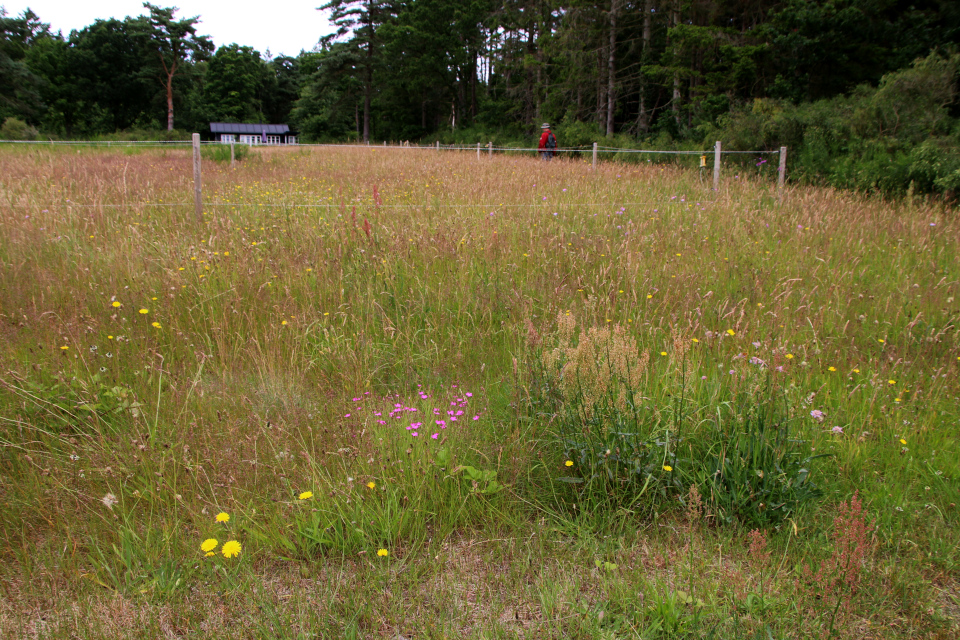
[[453, 408]]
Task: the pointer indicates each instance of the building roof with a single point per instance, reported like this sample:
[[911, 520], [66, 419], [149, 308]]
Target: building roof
[[254, 129]]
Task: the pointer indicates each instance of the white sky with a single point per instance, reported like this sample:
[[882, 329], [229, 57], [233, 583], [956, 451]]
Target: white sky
[[283, 26]]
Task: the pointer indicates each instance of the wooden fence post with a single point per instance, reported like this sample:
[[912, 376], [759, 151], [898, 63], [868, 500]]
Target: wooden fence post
[[478, 151], [782, 173], [197, 190], [716, 166], [490, 148], [438, 145], [594, 156], [233, 161]]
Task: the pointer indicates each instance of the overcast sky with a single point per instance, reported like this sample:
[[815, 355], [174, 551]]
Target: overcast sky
[[283, 26]]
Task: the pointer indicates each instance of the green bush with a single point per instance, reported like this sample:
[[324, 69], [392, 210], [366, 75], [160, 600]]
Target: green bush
[[17, 129], [221, 152], [875, 139]]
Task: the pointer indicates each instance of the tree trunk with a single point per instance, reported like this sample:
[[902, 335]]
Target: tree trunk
[[367, 89], [675, 103], [643, 119], [473, 86], [601, 95], [611, 68], [169, 101]]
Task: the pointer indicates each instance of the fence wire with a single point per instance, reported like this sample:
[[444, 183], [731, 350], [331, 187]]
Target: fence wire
[[207, 143]]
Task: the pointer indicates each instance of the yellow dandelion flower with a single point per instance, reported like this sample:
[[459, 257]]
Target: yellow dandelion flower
[[731, 332], [667, 467], [209, 544], [208, 554], [856, 370], [223, 517], [231, 549], [891, 381], [156, 325], [831, 368], [902, 441], [695, 341], [371, 485], [116, 303], [649, 295], [789, 356], [144, 311], [306, 495], [663, 353], [569, 463], [64, 348], [881, 340], [383, 553], [284, 323]]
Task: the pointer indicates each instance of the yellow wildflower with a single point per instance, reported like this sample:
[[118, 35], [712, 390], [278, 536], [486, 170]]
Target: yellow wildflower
[[209, 544], [306, 495], [382, 553], [223, 517], [231, 549]]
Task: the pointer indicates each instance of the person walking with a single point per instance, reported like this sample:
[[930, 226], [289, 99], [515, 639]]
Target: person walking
[[548, 143]]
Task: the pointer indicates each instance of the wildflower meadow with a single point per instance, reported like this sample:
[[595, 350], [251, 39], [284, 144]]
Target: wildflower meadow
[[409, 393]]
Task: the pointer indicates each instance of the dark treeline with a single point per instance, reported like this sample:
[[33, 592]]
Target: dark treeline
[[863, 91]]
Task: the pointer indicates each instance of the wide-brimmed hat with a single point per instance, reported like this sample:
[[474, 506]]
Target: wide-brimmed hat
[[545, 125]]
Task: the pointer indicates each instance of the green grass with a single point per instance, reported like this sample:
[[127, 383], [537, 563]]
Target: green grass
[[321, 276]]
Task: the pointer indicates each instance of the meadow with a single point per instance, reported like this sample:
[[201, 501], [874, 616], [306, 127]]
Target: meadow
[[399, 393]]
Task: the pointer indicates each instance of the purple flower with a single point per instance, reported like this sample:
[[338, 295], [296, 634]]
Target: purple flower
[[817, 415], [837, 430], [435, 436]]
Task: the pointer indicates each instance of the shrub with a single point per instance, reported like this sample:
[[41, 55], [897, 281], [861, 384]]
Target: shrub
[[17, 129], [221, 152]]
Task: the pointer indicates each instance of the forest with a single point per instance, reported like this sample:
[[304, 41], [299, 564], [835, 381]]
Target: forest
[[863, 92]]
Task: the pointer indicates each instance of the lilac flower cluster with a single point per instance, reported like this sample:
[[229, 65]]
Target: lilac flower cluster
[[453, 408]]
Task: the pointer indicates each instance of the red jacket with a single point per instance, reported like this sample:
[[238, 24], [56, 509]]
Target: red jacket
[[543, 139]]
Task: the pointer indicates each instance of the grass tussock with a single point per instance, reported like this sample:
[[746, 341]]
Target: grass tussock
[[440, 396]]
